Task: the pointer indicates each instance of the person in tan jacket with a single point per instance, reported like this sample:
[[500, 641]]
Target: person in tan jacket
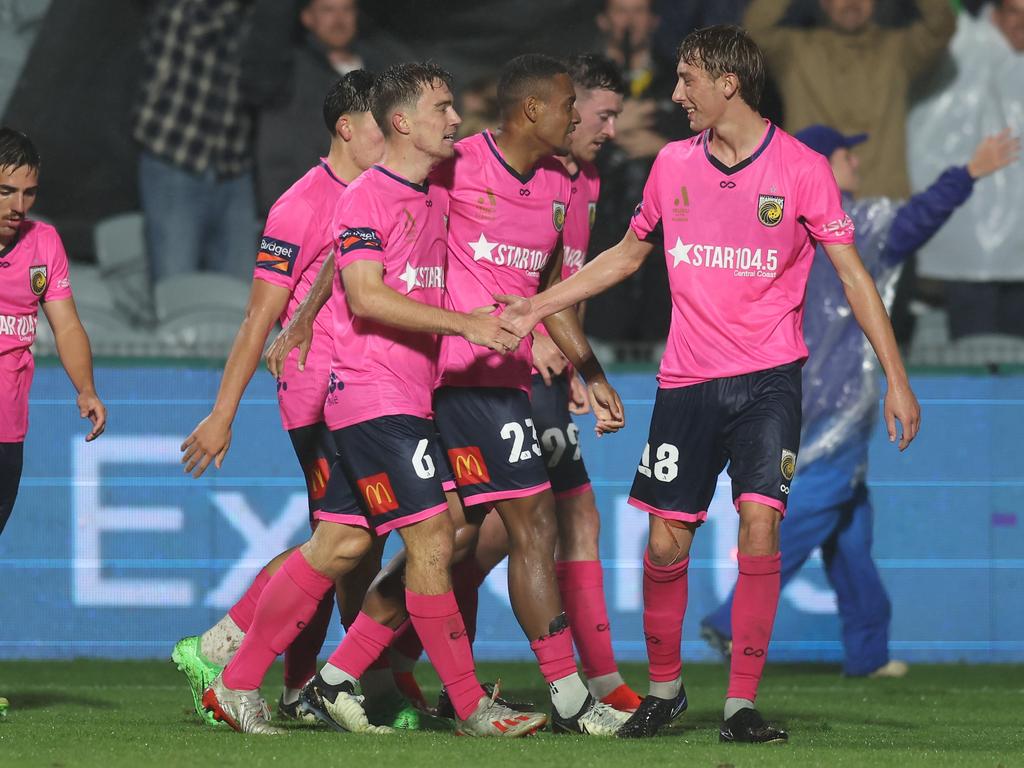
[[855, 75]]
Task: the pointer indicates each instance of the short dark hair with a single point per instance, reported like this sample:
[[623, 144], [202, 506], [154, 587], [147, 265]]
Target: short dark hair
[[17, 150], [401, 84], [521, 76], [350, 94], [726, 48], [593, 71]]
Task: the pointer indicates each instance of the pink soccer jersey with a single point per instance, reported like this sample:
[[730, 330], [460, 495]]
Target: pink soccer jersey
[[377, 370], [579, 220], [33, 268], [296, 240], [502, 229], [739, 243]]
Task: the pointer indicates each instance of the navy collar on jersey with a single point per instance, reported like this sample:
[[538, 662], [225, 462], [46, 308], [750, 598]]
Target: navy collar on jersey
[[729, 170], [6, 250], [326, 167], [418, 187], [521, 178]]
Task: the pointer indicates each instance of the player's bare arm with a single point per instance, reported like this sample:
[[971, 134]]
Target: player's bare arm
[[609, 268], [368, 297], [76, 357], [900, 403], [211, 438], [299, 331]]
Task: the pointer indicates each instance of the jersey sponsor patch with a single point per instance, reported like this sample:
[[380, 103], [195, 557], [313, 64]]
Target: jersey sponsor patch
[[276, 255], [378, 494], [469, 466], [359, 238], [37, 279], [317, 476]]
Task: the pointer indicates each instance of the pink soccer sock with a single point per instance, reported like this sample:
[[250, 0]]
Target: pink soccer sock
[[665, 595], [287, 604], [443, 632], [466, 580], [300, 657], [753, 614], [362, 645], [581, 584], [554, 655], [243, 611]]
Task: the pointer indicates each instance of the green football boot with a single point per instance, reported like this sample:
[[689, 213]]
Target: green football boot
[[396, 711], [199, 672]]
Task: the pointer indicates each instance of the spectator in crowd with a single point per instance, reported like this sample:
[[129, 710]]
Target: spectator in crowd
[[648, 121], [853, 74], [286, 69], [195, 136], [980, 255], [829, 504]]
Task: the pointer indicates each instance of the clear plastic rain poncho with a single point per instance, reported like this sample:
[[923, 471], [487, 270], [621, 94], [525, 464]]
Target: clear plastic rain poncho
[[840, 379], [977, 92]]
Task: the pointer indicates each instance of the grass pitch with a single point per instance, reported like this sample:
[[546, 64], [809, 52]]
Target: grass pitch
[[134, 714]]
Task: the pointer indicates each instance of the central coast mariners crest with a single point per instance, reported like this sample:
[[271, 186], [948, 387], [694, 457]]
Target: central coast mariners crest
[[37, 279], [788, 464], [769, 209], [558, 215], [591, 213]]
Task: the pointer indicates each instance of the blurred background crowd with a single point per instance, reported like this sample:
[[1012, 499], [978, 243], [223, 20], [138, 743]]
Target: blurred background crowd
[[168, 128]]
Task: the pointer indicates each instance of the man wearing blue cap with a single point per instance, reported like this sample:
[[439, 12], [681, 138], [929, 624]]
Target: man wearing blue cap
[[829, 504]]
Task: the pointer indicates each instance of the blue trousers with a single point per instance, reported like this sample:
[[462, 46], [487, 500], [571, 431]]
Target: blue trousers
[[197, 221], [828, 509]]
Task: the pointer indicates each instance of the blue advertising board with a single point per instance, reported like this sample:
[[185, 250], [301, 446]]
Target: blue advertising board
[[113, 551]]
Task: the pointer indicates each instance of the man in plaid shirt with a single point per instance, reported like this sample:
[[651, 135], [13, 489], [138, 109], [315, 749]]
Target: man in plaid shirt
[[195, 168]]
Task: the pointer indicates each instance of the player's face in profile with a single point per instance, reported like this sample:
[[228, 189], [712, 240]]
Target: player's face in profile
[[367, 140], [435, 122], [699, 95], [1009, 17], [332, 22], [557, 117], [845, 167], [18, 188], [849, 15], [598, 109]]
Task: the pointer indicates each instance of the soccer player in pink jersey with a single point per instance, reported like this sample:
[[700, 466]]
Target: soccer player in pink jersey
[[390, 228], [599, 91], [507, 212], [33, 271], [296, 241], [740, 207]]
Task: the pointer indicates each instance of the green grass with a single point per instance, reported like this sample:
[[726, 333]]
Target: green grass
[[97, 713]]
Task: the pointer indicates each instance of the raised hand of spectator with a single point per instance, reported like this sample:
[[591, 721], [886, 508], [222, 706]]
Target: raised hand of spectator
[[994, 152]]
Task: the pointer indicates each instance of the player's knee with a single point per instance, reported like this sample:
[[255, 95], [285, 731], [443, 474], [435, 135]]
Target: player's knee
[[534, 528], [759, 533], [335, 550]]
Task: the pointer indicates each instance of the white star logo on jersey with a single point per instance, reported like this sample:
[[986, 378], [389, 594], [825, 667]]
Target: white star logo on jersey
[[680, 252], [410, 276], [483, 250]]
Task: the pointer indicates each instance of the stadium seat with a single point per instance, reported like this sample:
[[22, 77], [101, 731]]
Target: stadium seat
[[988, 349], [199, 312], [121, 254]]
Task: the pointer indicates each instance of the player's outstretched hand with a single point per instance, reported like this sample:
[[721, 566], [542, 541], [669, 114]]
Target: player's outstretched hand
[[611, 416], [579, 403], [486, 329], [547, 358], [208, 442], [901, 405], [994, 152], [92, 408], [518, 311], [298, 333]]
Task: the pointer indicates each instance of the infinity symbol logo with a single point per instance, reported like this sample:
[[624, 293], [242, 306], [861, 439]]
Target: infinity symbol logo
[[727, 184]]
